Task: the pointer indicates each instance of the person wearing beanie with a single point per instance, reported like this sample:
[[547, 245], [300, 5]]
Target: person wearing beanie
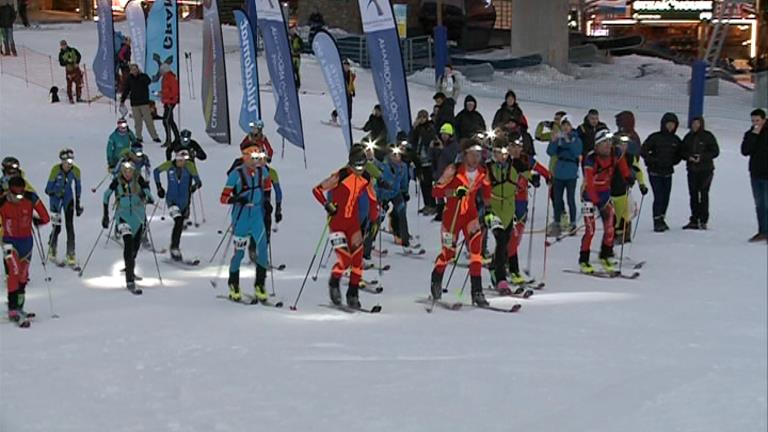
[[446, 153], [509, 108], [566, 147], [377, 130], [443, 110]]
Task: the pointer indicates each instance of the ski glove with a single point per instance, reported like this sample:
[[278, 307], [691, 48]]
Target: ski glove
[[461, 192], [385, 206], [194, 188], [160, 191], [536, 180], [407, 197], [237, 200], [278, 213], [105, 218], [330, 208], [644, 189], [78, 208], [36, 221]]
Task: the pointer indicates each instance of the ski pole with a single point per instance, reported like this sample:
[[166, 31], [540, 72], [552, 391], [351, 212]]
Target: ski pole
[[453, 266], [154, 252], [381, 249], [194, 211], [111, 225], [214, 282], [320, 264], [530, 235], [624, 232], [456, 258], [639, 212], [82, 269], [223, 238], [95, 188], [271, 269], [39, 244], [311, 263], [463, 286], [546, 243], [202, 209]]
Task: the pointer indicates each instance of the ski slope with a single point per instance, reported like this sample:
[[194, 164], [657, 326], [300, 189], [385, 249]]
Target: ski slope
[[682, 348]]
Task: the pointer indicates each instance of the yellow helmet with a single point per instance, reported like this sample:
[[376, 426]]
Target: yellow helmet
[[447, 129]]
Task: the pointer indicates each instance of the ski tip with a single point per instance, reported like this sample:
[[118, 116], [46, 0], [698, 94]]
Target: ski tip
[[279, 304], [516, 307], [376, 309]]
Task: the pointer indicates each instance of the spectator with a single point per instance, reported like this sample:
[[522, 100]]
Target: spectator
[[514, 131], [137, 87], [349, 80], [469, 121], [588, 129], [169, 96], [124, 61], [445, 152], [699, 150], [420, 142], [448, 84], [377, 131], [755, 145], [661, 152], [444, 110], [566, 146], [297, 46], [69, 58], [23, 12], [508, 109], [7, 17]]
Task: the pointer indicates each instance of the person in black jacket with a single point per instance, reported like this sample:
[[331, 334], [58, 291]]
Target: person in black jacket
[[661, 151], [469, 122], [137, 87], [755, 145], [377, 131], [186, 142], [7, 17], [69, 59], [445, 108], [588, 129], [420, 142], [699, 150], [509, 109]]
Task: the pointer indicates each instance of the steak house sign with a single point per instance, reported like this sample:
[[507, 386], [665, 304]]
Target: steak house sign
[[649, 10]]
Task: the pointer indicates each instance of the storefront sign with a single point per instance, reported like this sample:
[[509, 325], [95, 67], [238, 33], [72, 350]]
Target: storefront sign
[[672, 10]]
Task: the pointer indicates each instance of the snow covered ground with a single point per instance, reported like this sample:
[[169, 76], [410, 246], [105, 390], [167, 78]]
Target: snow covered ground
[[683, 348]]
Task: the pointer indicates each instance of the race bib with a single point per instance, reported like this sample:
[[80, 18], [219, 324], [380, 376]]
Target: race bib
[[123, 229], [240, 242], [56, 219], [447, 239], [587, 208], [174, 212], [338, 240], [7, 250]]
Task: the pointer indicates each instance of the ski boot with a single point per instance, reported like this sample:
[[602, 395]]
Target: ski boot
[[52, 254], [234, 286], [333, 291], [176, 255], [553, 230], [658, 224], [478, 298], [436, 287], [502, 287], [132, 288], [692, 225], [71, 261], [584, 265], [353, 299], [518, 279], [607, 265]]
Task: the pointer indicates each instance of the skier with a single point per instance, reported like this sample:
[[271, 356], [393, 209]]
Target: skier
[[509, 174], [257, 138], [63, 176], [135, 154], [345, 188], [460, 185], [699, 150], [509, 108], [599, 168], [69, 59], [183, 181], [186, 142], [245, 191], [566, 147], [420, 142], [16, 219], [120, 141], [629, 142], [661, 152], [132, 194], [392, 190], [169, 96], [469, 122]]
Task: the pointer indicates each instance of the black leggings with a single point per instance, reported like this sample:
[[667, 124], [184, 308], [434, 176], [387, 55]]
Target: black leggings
[[424, 174], [178, 227], [170, 124], [69, 216], [131, 246]]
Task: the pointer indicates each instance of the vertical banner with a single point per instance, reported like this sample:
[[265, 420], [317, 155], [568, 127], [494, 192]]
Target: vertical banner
[[137, 24], [250, 109], [162, 42], [278, 54], [104, 63], [386, 65], [327, 54], [214, 85], [401, 18]]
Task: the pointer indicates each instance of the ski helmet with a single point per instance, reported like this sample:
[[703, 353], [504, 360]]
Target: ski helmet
[[67, 155], [468, 145], [182, 155], [357, 158], [16, 186], [127, 166], [122, 126], [446, 129], [186, 135], [137, 148], [602, 135], [256, 124], [10, 166]]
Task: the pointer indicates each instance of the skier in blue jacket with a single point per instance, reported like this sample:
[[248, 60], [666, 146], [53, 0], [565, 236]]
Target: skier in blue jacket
[[392, 189], [121, 140], [63, 198], [183, 181], [566, 147]]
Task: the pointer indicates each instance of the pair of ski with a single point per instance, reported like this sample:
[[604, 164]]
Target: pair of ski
[[370, 286], [184, 262], [24, 320], [372, 266], [349, 309], [249, 300], [431, 303], [606, 275], [75, 267]]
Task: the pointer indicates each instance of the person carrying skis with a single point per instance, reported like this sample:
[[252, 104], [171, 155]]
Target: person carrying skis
[[460, 185], [69, 59], [183, 180], [599, 168], [62, 198], [120, 141], [186, 142], [345, 188], [257, 138], [16, 220], [392, 190], [132, 194], [245, 191], [661, 152], [510, 173]]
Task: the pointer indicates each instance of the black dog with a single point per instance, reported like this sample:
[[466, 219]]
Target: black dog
[[54, 94]]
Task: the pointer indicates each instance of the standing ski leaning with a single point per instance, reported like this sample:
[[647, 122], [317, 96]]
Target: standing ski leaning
[[16, 223], [599, 168], [245, 191], [183, 180], [63, 199], [344, 189], [461, 185], [132, 194], [661, 152], [699, 150]]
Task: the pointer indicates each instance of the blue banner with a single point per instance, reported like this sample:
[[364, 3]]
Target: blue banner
[[327, 54], [250, 109], [137, 24], [214, 83], [278, 55], [162, 42], [104, 63], [386, 65]]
